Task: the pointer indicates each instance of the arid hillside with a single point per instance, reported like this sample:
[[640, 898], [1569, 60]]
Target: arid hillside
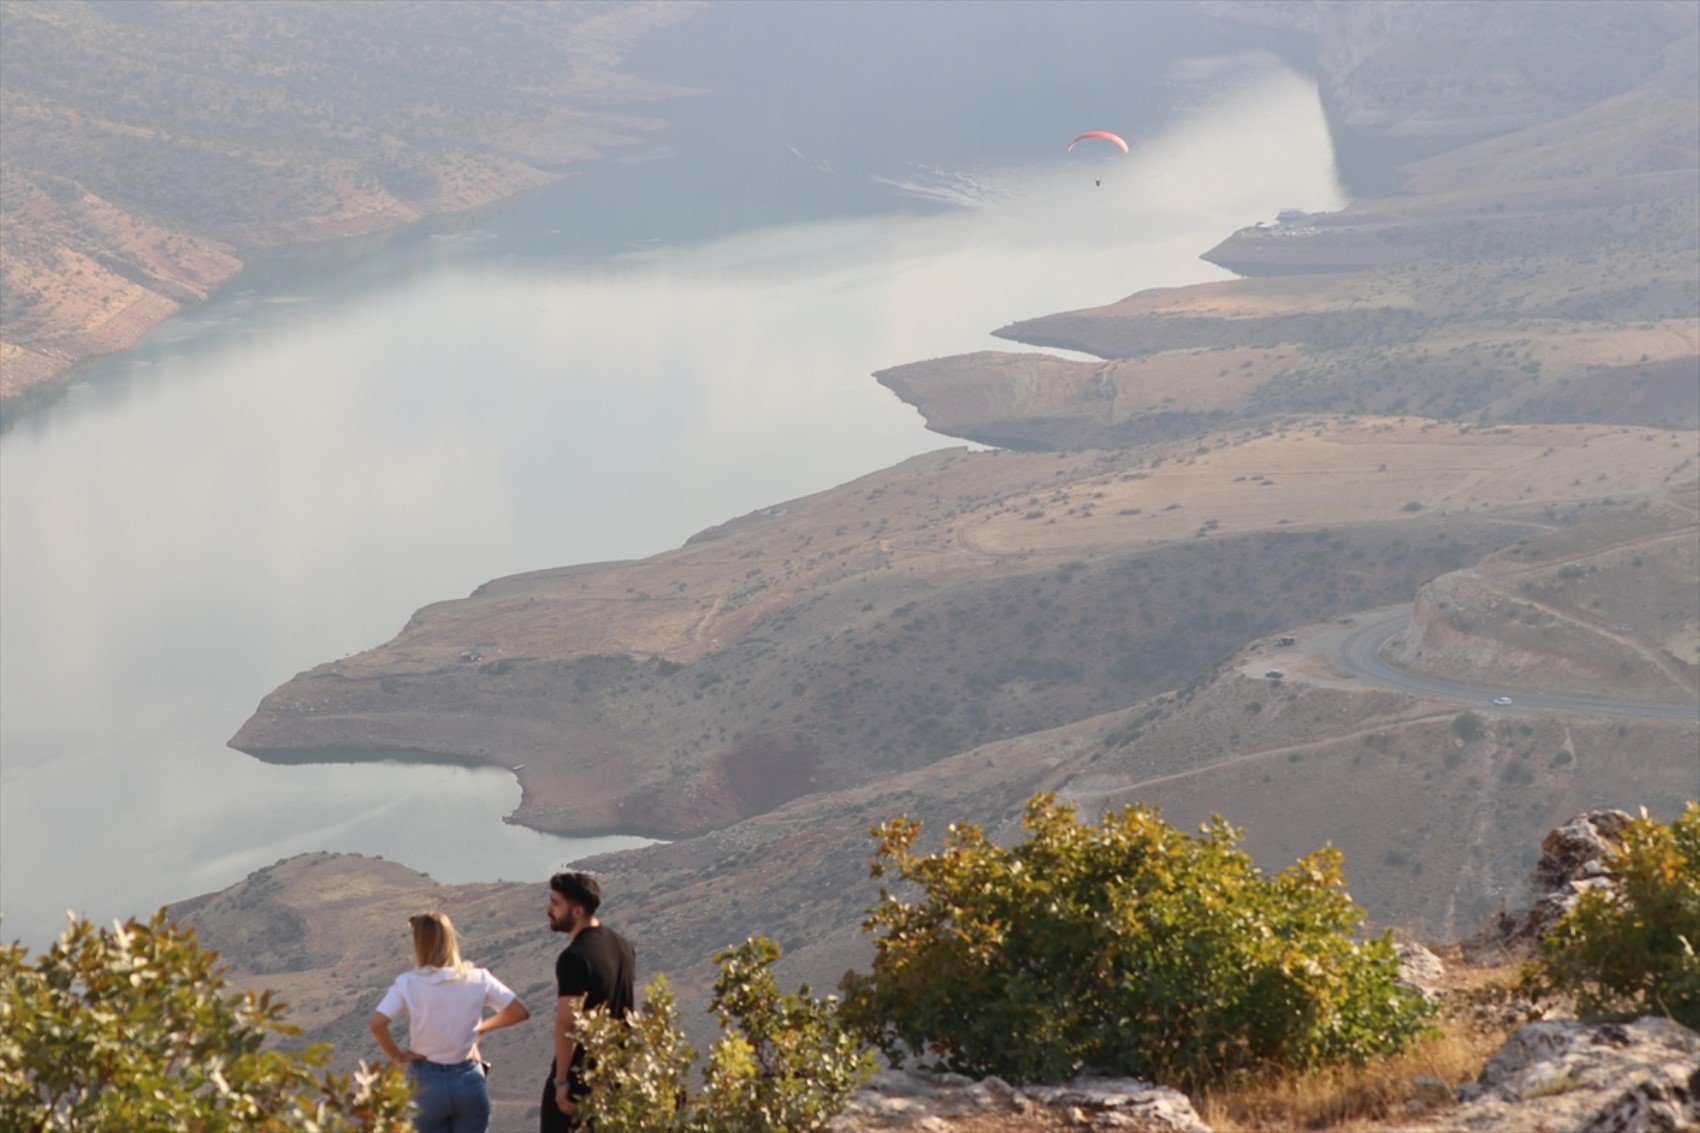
[[147, 148], [1438, 805], [1434, 803], [1544, 275], [922, 611], [1474, 69]]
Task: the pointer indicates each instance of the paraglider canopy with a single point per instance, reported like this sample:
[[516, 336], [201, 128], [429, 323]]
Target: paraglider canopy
[[1103, 134]]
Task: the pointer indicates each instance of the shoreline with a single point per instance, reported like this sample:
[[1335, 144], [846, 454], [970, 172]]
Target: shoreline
[[93, 270], [38, 392]]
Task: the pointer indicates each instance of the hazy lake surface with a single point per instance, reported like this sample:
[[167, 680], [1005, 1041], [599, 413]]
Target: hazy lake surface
[[680, 334]]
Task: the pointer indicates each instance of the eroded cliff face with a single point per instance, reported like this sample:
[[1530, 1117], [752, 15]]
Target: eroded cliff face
[[1453, 636], [1608, 610]]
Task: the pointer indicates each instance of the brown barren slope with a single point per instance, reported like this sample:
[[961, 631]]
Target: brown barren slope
[[908, 615]]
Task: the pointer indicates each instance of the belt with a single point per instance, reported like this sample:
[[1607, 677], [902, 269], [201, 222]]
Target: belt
[[445, 1067]]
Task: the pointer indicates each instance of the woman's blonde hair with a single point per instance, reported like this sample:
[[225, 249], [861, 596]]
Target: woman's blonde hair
[[434, 943]]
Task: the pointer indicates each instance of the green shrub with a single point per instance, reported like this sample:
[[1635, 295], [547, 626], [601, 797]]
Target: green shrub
[[638, 1068], [783, 1062], [1127, 947], [131, 1028], [1631, 948]]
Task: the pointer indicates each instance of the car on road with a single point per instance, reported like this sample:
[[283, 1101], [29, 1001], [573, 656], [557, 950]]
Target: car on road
[[1502, 701]]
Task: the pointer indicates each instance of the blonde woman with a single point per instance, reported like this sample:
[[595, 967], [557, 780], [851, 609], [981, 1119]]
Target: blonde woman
[[444, 999]]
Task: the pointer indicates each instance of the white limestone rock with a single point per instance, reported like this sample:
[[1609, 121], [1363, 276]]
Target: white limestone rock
[[941, 1103], [1566, 1075], [1421, 969]]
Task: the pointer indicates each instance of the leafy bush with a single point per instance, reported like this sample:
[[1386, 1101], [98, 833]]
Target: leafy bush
[[639, 1068], [1631, 947], [1127, 947], [131, 1028], [783, 1063]]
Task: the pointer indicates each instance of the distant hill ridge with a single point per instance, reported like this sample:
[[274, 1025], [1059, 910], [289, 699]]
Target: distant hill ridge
[[1544, 272]]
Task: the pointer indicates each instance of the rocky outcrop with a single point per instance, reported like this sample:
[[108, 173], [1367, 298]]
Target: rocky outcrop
[[1422, 970], [1573, 861], [1638, 1077], [321, 930], [950, 1103]]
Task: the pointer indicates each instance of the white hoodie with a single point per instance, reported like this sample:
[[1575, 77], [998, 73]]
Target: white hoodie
[[442, 1007]]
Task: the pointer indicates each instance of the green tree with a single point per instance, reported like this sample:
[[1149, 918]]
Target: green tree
[[783, 1064], [1128, 947], [1631, 947], [131, 1028]]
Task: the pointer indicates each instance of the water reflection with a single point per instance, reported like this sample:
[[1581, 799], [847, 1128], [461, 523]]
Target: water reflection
[[285, 473]]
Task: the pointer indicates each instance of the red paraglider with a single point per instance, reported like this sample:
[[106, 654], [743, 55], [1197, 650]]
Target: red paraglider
[[1104, 134]]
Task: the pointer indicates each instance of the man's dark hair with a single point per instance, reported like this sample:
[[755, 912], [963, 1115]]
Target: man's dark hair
[[579, 888]]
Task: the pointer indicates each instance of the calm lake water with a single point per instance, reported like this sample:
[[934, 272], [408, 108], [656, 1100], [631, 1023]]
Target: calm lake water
[[681, 333]]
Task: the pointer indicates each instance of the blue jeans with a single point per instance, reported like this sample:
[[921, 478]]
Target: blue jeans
[[449, 1099]]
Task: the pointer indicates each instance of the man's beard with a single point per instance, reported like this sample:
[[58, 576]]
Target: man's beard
[[564, 925]]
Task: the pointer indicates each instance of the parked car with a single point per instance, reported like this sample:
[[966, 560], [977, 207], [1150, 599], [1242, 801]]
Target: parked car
[[1274, 674]]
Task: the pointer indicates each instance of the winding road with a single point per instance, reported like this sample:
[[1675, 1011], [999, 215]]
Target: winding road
[[1359, 653]]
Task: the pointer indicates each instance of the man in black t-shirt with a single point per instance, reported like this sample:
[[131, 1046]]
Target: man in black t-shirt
[[595, 970]]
